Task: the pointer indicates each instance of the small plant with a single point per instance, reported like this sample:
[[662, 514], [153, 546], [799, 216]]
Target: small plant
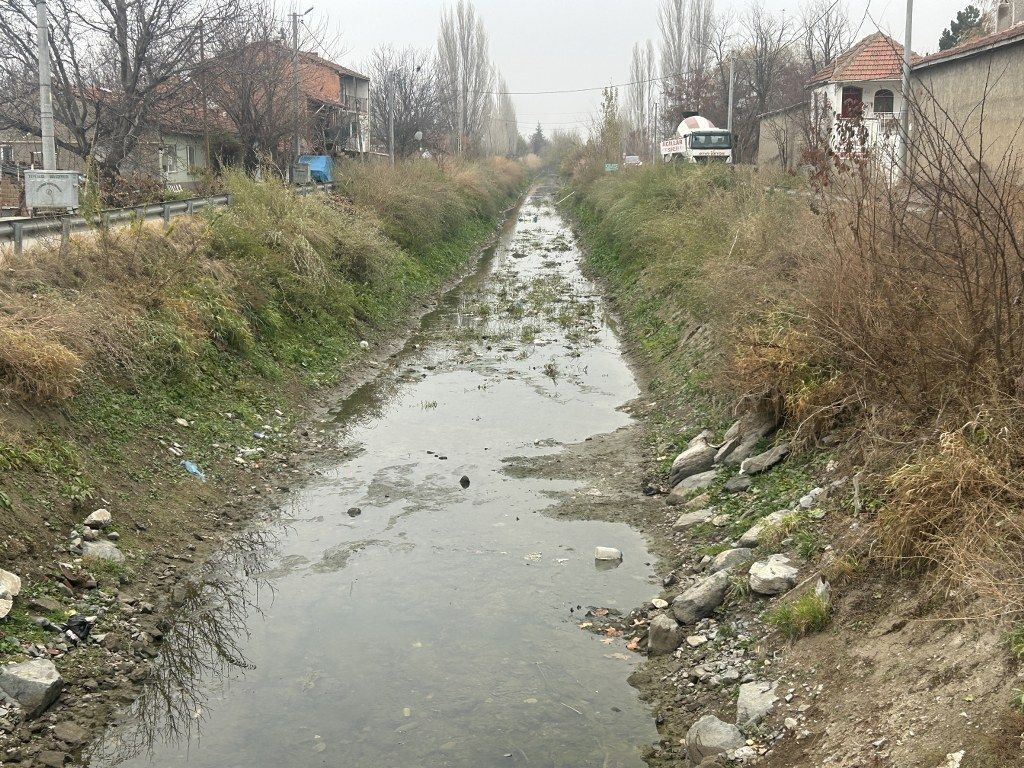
[[429, 405], [1015, 643], [739, 589], [807, 541], [805, 615], [551, 370], [1017, 700]]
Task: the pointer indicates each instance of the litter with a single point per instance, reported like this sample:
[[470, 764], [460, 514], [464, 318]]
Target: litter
[[193, 469]]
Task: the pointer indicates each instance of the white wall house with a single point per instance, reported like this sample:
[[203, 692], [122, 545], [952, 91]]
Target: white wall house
[[858, 100]]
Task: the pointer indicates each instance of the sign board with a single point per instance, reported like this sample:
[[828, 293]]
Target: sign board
[[300, 173], [51, 189], [611, 167]]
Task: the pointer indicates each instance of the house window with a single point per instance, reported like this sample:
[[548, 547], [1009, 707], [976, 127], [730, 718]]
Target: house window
[[169, 163], [884, 101], [853, 101], [190, 156], [6, 153]]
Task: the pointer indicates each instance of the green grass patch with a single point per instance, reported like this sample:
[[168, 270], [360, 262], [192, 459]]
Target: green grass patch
[[802, 616]]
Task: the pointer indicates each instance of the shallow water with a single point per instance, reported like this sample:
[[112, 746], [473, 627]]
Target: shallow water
[[434, 628]]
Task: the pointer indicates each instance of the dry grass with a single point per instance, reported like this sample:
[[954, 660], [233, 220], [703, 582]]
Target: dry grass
[[143, 302]]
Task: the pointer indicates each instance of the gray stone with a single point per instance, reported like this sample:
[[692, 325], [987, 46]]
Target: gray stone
[[765, 461], [738, 483], [810, 499], [730, 558], [33, 684], [687, 519], [71, 733], [755, 701], [50, 758], [607, 553], [98, 519], [102, 550], [702, 599], [744, 434], [699, 456], [752, 536], [664, 635], [710, 736], [772, 576], [695, 482]]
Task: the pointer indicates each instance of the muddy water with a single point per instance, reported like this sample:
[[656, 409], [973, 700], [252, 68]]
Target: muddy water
[[439, 625]]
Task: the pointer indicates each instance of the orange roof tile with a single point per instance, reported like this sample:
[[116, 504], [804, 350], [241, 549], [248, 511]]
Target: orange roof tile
[[876, 57]]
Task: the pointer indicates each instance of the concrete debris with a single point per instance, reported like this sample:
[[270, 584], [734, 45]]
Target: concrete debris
[[607, 553]]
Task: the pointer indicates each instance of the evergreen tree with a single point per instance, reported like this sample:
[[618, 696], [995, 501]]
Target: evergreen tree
[[966, 23]]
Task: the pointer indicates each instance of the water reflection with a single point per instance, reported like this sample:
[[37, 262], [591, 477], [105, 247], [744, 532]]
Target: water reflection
[[212, 609]]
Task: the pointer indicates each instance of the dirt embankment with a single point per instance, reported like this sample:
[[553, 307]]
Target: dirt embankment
[[186, 444], [779, 637]]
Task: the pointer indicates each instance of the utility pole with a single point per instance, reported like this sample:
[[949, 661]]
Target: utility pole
[[295, 84], [391, 126], [732, 88], [45, 92], [459, 102], [202, 93], [905, 86]]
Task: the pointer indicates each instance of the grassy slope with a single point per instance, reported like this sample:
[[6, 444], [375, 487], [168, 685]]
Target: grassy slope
[[689, 254], [220, 321]]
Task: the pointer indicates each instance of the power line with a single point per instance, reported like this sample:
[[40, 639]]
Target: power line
[[584, 90]]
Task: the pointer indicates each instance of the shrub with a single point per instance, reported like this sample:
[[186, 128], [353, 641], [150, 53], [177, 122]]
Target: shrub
[[801, 616]]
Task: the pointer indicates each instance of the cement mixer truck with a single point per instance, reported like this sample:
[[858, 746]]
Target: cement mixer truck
[[697, 140]]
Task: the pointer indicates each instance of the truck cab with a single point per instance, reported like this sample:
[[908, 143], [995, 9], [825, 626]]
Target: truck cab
[[697, 140]]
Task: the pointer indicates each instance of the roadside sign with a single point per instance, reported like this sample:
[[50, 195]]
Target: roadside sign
[[610, 167]]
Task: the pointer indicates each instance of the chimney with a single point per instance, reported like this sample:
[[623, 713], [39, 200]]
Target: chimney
[[1009, 13]]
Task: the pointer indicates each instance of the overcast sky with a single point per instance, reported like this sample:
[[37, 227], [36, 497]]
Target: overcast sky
[[566, 44]]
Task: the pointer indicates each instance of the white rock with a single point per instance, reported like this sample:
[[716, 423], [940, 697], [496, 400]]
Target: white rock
[[607, 553], [11, 582], [791, 723], [699, 456], [695, 641], [364, 345], [659, 603], [182, 422], [953, 760], [772, 576], [99, 519]]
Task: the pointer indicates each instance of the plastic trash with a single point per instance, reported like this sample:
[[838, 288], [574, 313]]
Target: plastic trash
[[193, 469], [78, 626]]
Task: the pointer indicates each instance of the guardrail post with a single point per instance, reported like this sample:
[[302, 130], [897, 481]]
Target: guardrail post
[[65, 230], [167, 213], [191, 207], [17, 238]]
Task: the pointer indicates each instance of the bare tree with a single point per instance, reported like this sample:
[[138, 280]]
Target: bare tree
[[113, 61], [404, 86], [502, 137], [826, 32], [641, 96], [765, 56], [465, 77]]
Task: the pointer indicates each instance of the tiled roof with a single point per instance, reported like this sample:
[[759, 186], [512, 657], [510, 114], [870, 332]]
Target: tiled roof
[[1010, 35], [876, 57], [341, 70]]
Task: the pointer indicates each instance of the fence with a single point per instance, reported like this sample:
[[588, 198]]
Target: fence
[[18, 232]]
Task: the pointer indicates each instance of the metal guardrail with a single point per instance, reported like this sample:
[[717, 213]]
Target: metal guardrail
[[18, 232]]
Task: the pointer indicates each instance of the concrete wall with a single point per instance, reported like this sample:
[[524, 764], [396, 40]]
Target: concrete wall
[[783, 137], [961, 86]]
